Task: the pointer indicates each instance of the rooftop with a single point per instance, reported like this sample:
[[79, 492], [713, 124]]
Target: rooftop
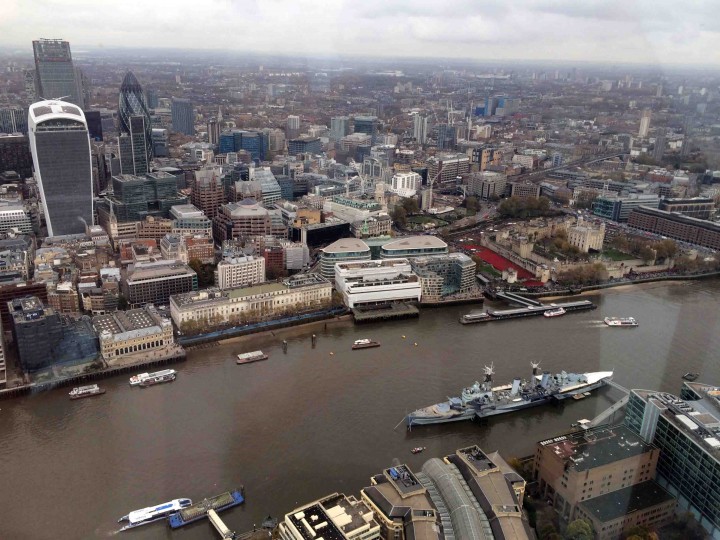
[[625, 501], [416, 242], [596, 447], [158, 269], [345, 245]]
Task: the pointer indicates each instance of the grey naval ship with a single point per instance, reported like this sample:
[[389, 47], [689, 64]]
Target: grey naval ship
[[481, 400]]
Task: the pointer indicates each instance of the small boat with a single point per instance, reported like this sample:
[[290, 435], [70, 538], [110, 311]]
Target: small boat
[[158, 378], [558, 312], [364, 344], [136, 380], [254, 356], [417, 449], [86, 391], [578, 396], [153, 513], [690, 376], [620, 321]]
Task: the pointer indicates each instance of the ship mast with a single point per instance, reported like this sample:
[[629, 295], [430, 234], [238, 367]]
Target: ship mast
[[489, 371], [535, 371]]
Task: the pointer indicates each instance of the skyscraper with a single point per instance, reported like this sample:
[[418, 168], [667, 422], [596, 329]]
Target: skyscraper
[[60, 148], [339, 127], [368, 125], [183, 116], [293, 127], [135, 127], [55, 76], [644, 124], [420, 126]]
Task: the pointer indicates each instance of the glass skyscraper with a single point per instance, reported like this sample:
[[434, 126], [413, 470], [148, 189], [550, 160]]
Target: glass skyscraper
[[183, 116], [60, 147], [55, 76], [135, 141]]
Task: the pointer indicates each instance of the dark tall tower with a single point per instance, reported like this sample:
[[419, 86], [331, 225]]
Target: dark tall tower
[[135, 127], [60, 148], [55, 76]]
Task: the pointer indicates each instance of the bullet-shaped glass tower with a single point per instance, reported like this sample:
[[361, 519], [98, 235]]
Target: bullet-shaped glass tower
[[135, 128]]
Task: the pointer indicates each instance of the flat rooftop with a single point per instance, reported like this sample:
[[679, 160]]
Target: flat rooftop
[[415, 242], [596, 447], [345, 245], [625, 501]]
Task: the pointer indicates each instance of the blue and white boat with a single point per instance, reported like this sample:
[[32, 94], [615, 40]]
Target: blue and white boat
[[153, 513]]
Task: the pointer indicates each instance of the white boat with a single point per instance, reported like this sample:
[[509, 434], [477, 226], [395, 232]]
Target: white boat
[[85, 391], [158, 379], [247, 358], [620, 321], [136, 380], [555, 312], [153, 513], [365, 344]]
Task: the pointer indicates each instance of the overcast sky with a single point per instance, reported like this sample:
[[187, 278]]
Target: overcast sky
[[642, 31]]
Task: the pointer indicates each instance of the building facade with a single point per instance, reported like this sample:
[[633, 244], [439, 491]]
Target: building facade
[[676, 226], [55, 75], [135, 331], [183, 116], [343, 250], [213, 307], [154, 282], [135, 127], [363, 283], [585, 236], [405, 184], [236, 272], [413, 246], [60, 147], [450, 274]]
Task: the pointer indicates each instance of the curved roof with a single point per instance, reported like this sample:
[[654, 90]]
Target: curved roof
[[345, 245], [415, 242], [42, 111]]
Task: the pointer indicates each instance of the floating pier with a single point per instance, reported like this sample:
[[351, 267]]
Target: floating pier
[[198, 511], [528, 311], [384, 313]]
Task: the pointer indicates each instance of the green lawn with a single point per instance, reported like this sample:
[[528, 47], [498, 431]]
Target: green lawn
[[615, 255], [421, 220]]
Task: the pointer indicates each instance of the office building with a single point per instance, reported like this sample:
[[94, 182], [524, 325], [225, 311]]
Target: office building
[[94, 124], [405, 184], [447, 168], [676, 226], [695, 207], [380, 225], [60, 148], [579, 466], [343, 250], [686, 429], [44, 338], [487, 185], [420, 128], [365, 283], [55, 75], [188, 220], [335, 517], [213, 307], [292, 129], [367, 125], [269, 187], [644, 124], [213, 131], [242, 219], [524, 190], [239, 271], [183, 116], [617, 208], [659, 147], [208, 190], [154, 282], [446, 137], [413, 246], [140, 332], [134, 127], [304, 145], [14, 216], [136, 197], [13, 120], [15, 155], [160, 142], [339, 127], [446, 275]]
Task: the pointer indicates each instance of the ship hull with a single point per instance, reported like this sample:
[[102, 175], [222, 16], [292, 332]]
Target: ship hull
[[471, 412]]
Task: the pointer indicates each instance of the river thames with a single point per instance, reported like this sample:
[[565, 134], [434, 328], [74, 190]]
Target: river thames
[[309, 423]]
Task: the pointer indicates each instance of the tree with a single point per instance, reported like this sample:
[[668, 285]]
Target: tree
[[205, 272], [665, 248], [585, 199], [471, 203], [410, 205], [579, 529], [399, 216], [122, 302], [647, 254]]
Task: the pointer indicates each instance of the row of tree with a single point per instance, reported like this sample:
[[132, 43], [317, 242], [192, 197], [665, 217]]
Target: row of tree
[[588, 274], [645, 250], [525, 207]]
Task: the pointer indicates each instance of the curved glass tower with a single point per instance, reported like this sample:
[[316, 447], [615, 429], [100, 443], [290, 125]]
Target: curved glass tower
[[60, 148], [135, 127]]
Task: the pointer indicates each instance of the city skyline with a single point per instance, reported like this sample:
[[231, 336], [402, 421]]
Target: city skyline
[[657, 33]]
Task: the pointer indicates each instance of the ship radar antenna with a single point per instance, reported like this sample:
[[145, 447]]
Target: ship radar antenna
[[490, 370], [535, 365]]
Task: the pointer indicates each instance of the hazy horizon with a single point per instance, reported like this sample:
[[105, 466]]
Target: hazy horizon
[[661, 32]]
